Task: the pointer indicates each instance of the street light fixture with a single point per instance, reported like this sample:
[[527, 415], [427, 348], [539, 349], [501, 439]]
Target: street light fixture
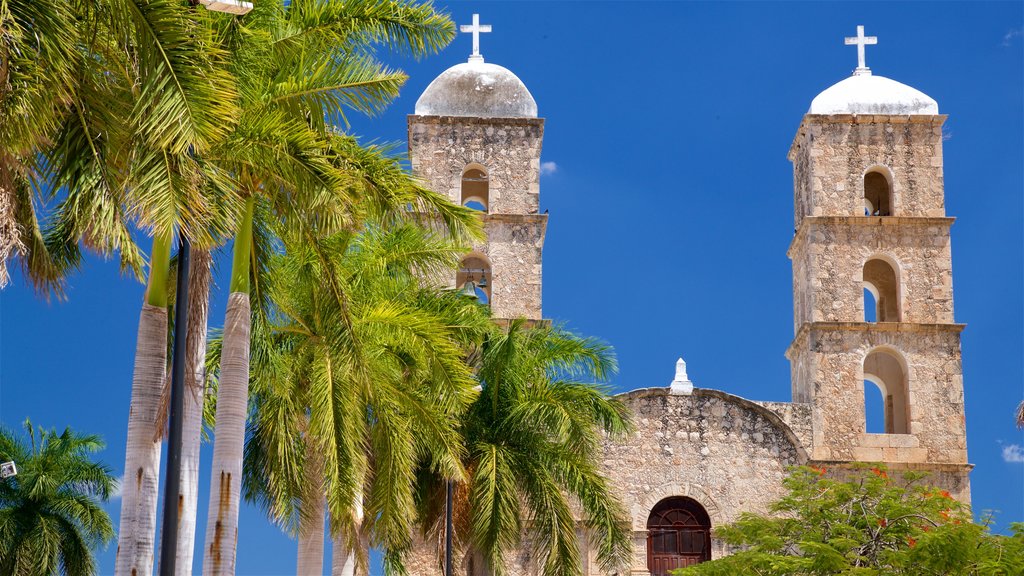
[[8, 469]]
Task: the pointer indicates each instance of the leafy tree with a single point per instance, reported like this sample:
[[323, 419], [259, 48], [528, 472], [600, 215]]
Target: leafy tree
[[50, 512], [359, 377], [298, 64], [533, 440], [864, 523]]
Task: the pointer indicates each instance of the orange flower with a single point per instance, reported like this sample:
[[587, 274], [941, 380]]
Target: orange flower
[[911, 542], [819, 471], [880, 473], [945, 495], [883, 522]]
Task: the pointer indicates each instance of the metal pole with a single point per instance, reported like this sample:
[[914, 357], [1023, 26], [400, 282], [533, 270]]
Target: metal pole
[[448, 529], [172, 478]]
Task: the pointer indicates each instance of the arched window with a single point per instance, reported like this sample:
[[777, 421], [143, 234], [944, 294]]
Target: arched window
[[885, 369], [882, 282], [475, 187], [678, 535], [877, 194], [474, 277]]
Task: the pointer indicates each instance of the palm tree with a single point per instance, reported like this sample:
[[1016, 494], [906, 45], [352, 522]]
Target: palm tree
[[364, 381], [51, 516], [300, 63], [183, 103], [533, 438], [38, 57]]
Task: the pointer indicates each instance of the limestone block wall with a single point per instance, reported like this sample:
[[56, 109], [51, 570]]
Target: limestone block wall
[[725, 452], [829, 254], [441, 147], [514, 246], [827, 364], [830, 155]]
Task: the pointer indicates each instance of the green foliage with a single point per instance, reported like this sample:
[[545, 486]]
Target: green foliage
[[355, 354], [864, 523], [533, 438], [50, 513]]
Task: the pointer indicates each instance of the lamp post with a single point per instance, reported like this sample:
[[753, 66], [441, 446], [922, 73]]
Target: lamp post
[[172, 478]]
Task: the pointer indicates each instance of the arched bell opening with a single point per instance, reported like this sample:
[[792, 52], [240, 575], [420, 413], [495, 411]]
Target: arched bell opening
[[475, 187], [474, 277], [877, 192], [678, 535], [882, 283], [885, 369]]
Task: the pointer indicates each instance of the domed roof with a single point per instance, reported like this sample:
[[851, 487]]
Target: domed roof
[[477, 89], [864, 93]]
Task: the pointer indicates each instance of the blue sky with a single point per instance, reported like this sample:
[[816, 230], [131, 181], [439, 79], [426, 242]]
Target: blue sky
[[670, 199]]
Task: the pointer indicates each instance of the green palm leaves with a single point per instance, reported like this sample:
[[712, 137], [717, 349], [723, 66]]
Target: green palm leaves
[[367, 363], [50, 513], [534, 440]]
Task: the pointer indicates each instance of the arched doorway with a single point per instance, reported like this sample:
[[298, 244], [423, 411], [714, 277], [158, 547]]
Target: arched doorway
[[678, 535]]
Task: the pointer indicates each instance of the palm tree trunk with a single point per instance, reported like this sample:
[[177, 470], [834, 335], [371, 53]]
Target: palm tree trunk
[[10, 239], [312, 522], [232, 403], [229, 435], [344, 554], [141, 482], [192, 426]]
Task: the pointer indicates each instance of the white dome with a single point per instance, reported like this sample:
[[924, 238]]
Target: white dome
[[477, 89], [868, 94]]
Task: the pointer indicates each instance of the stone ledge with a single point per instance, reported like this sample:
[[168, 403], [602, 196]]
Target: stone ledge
[[900, 466], [909, 327], [808, 222], [463, 120], [516, 218], [934, 119]]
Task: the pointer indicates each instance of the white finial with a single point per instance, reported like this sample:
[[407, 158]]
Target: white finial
[[861, 40], [681, 383], [475, 29]]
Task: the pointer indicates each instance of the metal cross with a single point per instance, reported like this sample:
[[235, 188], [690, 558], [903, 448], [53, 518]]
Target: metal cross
[[475, 28], [861, 40]]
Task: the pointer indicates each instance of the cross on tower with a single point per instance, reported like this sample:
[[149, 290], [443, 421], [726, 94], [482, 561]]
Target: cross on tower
[[475, 28], [861, 40]]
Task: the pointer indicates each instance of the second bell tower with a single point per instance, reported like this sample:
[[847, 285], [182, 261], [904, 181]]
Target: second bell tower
[[872, 279]]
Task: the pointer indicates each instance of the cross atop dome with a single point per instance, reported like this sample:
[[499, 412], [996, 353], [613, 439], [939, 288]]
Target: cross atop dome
[[475, 29], [861, 40]]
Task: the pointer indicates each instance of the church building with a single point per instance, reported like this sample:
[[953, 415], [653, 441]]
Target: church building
[[869, 217]]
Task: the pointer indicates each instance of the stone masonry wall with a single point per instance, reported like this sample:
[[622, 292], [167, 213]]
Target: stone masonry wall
[[509, 148], [829, 254], [727, 453], [828, 371], [441, 147], [830, 155]]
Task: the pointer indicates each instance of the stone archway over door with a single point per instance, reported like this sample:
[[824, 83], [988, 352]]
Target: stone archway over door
[[678, 535]]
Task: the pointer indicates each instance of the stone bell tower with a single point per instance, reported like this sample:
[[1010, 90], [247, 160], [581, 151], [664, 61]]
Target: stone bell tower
[[476, 137], [872, 279]]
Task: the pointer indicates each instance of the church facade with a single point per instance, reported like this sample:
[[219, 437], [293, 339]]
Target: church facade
[[868, 216]]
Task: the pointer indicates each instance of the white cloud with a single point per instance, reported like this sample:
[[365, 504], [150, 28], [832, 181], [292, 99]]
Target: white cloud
[[1009, 36], [946, 135], [1013, 453], [548, 168]]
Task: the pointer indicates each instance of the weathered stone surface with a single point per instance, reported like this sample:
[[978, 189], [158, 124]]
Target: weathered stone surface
[[831, 154], [829, 254], [443, 147]]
